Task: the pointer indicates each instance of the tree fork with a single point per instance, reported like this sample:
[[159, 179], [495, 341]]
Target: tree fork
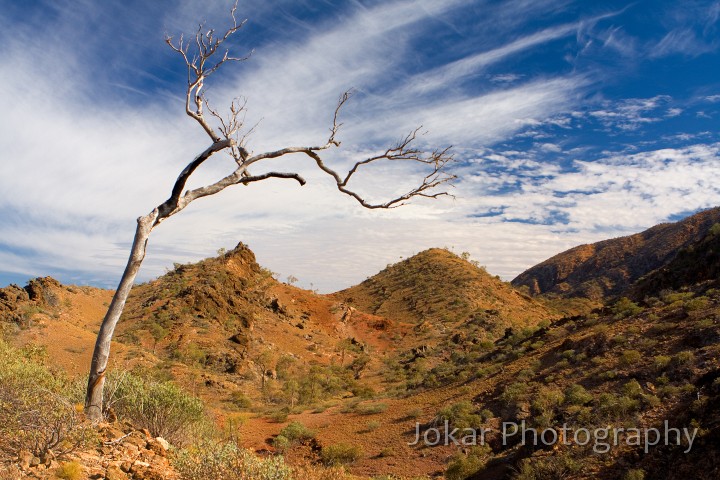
[[230, 137]]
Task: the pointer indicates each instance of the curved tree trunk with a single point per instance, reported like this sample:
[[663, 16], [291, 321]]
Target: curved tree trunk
[[205, 46], [96, 380]]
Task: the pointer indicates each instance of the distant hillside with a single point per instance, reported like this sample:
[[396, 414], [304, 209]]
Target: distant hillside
[[437, 286], [609, 267], [262, 354], [698, 263]]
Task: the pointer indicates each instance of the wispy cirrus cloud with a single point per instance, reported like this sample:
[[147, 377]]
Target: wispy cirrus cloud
[[100, 140], [631, 114]]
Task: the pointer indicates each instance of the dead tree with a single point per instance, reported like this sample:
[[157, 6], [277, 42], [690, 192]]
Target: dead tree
[[203, 56]]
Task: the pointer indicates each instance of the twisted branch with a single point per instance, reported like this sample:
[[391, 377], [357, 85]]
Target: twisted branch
[[231, 138]]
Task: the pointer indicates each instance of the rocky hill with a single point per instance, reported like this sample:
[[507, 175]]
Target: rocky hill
[[698, 263], [609, 267], [437, 287], [242, 374]]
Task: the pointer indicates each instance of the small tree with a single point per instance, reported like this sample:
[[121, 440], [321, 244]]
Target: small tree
[[204, 56]]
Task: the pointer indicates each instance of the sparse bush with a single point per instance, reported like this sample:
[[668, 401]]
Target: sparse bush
[[661, 362], [463, 465], [547, 399], [617, 406], [414, 413], [240, 400], [296, 432], [371, 408], [662, 327], [486, 414], [548, 468], [340, 454], [460, 415], [632, 389], [650, 401], [515, 392], [608, 375], [697, 304], [279, 416], [568, 354], [229, 462], [577, 395], [163, 408], [684, 358], [625, 307], [675, 298], [630, 357], [634, 474], [36, 413], [372, 426], [281, 443], [69, 471]]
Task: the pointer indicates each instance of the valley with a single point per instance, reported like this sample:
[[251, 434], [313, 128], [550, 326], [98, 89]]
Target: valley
[[620, 334]]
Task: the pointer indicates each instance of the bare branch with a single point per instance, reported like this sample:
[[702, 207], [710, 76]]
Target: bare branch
[[197, 57], [170, 205], [438, 160], [265, 176], [336, 126], [205, 47]]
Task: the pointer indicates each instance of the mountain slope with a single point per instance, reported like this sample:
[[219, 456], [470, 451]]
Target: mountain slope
[[697, 263], [438, 287], [608, 267], [205, 325]]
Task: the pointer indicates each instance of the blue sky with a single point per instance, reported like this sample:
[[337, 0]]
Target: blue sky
[[571, 122]]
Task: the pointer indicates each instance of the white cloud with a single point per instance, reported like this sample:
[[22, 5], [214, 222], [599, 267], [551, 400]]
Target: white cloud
[[632, 113], [619, 193], [80, 167], [682, 41]]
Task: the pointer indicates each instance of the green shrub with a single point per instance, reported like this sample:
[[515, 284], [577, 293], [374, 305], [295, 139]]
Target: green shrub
[[625, 307], [546, 399], [279, 416], [296, 432], [548, 468], [340, 454], [281, 443], [229, 462], [634, 474], [630, 357], [661, 361], [460, 415], [240, 400], [69, 471], [577, 395], [371, 408], [697, 304], [36, 412], [163, 408], [463, 466], [372, 426], [632, 389], [684, 358]]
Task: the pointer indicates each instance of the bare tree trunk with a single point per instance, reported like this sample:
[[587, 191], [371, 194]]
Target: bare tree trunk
[[96, 380], [231, 140]]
